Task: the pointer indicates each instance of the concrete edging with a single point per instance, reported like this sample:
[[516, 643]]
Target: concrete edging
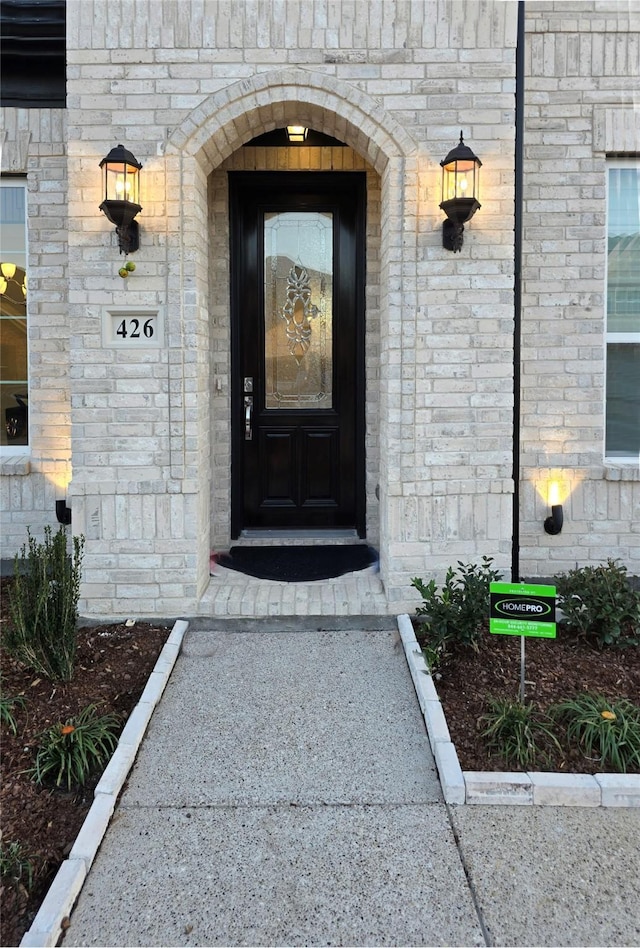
[[538, 789], [46, 927]]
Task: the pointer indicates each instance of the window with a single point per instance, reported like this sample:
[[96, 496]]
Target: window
[[623, 312], [14, 393]]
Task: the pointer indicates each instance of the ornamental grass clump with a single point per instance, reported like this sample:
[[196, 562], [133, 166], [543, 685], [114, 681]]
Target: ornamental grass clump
[[16, 866], [518, 733], [69, 753], [8, 704], [607, 731], [43, 604]]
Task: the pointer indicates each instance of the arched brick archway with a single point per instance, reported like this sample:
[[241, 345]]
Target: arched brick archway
[[210, 135], [270, 100]]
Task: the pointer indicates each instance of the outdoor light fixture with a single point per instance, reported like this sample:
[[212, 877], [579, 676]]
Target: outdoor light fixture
[[460, 189], [296, 133], [553, 524], [63, 513], [121, 184]]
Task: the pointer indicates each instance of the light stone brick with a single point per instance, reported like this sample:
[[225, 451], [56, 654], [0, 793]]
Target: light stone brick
[[619, 789], [498, 788], [565, 789], [439, 326]]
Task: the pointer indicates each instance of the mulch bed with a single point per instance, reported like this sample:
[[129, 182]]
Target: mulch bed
[[555, 670], [115, 661], [113, 665]]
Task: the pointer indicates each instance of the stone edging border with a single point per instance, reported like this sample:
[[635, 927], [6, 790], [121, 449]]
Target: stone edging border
[[541, 789], [46, 928]]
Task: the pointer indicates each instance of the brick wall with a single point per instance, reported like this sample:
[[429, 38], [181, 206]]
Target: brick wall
[[185, 86], [34, 149], [582, 69]]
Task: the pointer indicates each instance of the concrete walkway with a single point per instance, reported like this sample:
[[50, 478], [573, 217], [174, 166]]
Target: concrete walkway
[[285, 794]]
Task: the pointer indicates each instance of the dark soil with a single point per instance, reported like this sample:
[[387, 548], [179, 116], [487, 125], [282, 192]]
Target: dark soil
[[112, 667], [555, 670]]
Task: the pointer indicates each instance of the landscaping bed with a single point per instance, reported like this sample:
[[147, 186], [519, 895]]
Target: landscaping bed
[[555, 670], [578, 711], [113, 664]]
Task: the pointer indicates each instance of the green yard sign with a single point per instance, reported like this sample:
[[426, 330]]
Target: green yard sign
[[523, 609]]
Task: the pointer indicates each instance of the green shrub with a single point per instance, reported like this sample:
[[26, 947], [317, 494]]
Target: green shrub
[[600, 604], [460, 611], [16, 867], [69, 753], [7, 704], [517, 732], [43, 603], [608, 731]]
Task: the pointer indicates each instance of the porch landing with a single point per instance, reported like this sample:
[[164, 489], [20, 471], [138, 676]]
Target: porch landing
[[234, 594]]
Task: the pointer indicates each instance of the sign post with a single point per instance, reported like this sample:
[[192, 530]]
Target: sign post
[[525, 610]]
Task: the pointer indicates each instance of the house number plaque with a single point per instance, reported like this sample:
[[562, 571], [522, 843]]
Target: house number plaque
[[133, 329]]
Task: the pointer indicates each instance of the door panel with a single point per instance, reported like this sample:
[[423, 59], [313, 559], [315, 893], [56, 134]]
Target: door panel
[[278, 467], [297, 267], [320, 466]]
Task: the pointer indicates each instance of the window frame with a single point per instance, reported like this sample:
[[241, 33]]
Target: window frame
[[13, 181], [615, 338]]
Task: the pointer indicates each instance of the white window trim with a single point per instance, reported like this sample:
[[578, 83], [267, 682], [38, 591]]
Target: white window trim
[[20, 452], [611, 337]]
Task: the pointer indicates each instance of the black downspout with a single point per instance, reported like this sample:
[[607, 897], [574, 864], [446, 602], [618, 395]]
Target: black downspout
[[517, 290]]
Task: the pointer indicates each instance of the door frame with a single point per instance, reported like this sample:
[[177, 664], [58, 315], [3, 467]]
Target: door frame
[[319, 182]]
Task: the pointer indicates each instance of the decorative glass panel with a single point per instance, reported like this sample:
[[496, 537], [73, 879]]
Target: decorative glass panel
[[13, 318], [298, 301]]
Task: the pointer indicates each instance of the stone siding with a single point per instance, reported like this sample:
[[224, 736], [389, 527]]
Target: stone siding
[[34, 150], [582, 68], [185, 87]]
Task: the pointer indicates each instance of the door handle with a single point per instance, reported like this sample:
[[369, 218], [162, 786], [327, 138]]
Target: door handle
[[248, 412]]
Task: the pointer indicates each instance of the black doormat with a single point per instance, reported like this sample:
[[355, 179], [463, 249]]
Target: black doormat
[[298, 564]]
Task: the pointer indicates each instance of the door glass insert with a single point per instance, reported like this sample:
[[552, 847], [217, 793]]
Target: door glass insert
[[298, 309]]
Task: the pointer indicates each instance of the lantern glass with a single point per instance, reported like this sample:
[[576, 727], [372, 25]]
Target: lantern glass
[[296, 133], [121, 182], [460, 179]]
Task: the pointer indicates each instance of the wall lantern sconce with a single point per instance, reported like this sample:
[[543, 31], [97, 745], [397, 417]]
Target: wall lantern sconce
[[296, 133], [121, 189], [63, 513], [460, 189], [553, 524]]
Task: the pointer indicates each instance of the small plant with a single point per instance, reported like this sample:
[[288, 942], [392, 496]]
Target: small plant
[[15, 866], [435, 653], [459, 612], [43, 603], [517, 732], [69, 753], [7, 705], [600, 604], [608, 731]]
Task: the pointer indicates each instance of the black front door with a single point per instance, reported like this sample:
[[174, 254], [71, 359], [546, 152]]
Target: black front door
[[297, 268]]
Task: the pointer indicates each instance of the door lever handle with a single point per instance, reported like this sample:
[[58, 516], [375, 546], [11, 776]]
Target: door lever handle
[[248, 412]]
